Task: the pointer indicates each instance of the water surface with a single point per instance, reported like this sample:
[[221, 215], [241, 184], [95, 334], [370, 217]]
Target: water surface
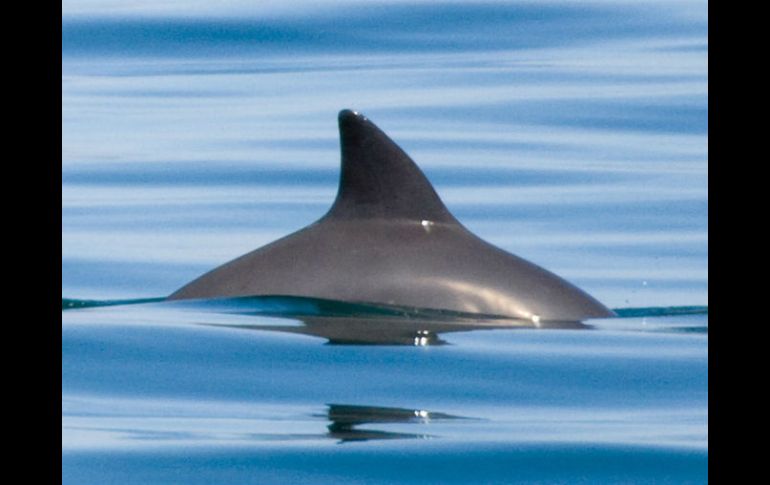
[[572, 134]]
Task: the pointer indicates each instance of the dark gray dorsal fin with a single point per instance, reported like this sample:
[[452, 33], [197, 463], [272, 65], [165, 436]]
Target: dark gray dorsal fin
[[379, 180]]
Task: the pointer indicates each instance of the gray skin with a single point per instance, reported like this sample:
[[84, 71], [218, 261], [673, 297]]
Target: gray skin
[[388, 239]]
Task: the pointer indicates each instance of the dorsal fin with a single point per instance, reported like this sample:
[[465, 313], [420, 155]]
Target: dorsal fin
[[378, 180]]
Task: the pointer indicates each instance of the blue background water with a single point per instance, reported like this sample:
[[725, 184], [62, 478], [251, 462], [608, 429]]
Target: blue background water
[[572, 134]]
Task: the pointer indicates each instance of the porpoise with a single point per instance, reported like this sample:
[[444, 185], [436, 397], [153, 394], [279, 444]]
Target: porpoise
[[388, 239]]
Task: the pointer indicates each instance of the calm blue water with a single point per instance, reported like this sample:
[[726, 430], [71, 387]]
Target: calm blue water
[[573, 134]]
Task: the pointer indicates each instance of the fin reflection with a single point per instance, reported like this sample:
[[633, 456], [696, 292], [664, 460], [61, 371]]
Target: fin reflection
[[345, 323], [345, 420], [171, 430], [395, 331]]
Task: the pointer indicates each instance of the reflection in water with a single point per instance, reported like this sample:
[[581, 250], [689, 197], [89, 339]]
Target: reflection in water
[[345, 419], [396, 331], [186, 430], [343, 323]]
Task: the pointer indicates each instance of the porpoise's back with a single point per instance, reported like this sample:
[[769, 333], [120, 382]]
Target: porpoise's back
[[389, 239]]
